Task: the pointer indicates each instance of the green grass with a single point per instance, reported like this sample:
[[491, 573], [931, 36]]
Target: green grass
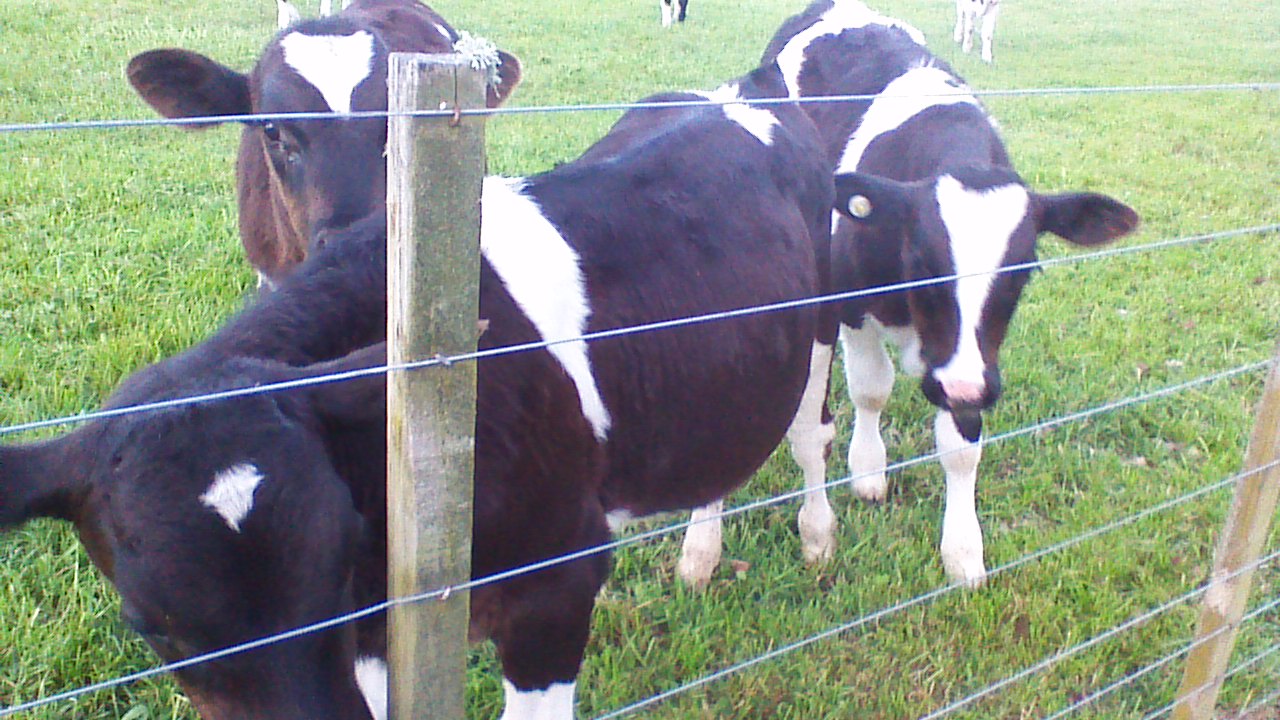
[[119, 247]]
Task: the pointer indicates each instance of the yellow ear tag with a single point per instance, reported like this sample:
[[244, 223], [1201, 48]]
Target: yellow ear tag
[[860, 206]]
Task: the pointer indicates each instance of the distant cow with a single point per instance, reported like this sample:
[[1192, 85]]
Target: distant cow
[[229, 520], [297, 180], [925, 189], [968, 13], [673, 11]]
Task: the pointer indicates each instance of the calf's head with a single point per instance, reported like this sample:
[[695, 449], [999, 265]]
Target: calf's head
[[970, 224], [218, 523], [297, 179]]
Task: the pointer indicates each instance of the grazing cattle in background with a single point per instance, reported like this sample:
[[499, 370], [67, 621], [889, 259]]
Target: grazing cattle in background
[[228, 520], [925, 189], [298, 180], [673, 11], [968, 13], [286, 14]]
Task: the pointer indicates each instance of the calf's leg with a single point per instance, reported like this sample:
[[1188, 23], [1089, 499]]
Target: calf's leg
[[961, 533], [869, 374]]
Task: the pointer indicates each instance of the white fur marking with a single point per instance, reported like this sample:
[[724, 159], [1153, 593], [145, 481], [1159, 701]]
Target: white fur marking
[[371, 678], [755, 120], [554, 703], [231, 493], [908, 95], [542, 274], [333, 64], [618, 520], [843, 15], [980, 224]]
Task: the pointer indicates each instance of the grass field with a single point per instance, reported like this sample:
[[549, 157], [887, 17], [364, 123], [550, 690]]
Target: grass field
[[118, 247]]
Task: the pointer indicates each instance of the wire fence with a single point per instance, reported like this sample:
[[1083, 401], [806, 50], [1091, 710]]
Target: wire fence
[[634, 539]]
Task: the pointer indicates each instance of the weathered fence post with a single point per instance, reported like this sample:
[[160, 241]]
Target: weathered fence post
[[1246, 531], [435, 168]]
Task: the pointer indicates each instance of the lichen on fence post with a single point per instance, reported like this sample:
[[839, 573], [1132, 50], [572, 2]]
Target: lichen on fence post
[[1247, 527], [435, 169]]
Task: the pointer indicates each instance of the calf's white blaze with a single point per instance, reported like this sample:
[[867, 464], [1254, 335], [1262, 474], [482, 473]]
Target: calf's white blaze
[[543, 276], [843, 15], [231, 493], [980, 224], [756, 120], [333, 64], [554, 703], [910, 94], [371, 678]]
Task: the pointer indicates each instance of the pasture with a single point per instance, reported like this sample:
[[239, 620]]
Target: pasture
[[118, 247]]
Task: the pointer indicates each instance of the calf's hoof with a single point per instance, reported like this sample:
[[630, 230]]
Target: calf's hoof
[[696, 567]]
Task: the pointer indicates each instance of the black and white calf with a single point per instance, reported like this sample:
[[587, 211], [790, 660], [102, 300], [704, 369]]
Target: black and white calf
[[226, 521], [925, 189], [673, 11], [298, 180], [968, 15]]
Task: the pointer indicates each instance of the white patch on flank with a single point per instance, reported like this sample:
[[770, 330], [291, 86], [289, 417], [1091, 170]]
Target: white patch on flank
[[908, 95], [980, 224], [843, 15], [333, 64], [542, 274], [554, 703], [371, 678], [231, 493], [758, 121]]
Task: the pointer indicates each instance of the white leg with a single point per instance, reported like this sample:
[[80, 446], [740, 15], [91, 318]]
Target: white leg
[[868, 372], [700, 554], [371, 678], [553, 703], [810, 438], [989, 31], [956, 35], [667, 12], [326, 8], [961, 533]]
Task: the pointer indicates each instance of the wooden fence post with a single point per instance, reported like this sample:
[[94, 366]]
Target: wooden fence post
[[435, 168], [1247, 528]]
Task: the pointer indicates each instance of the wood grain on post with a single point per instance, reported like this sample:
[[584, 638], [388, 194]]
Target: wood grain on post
[[1247, 528], [435, 168]]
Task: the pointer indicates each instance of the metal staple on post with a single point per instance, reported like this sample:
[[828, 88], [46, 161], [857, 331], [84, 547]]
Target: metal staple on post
[[435, 170], [1247, 528]]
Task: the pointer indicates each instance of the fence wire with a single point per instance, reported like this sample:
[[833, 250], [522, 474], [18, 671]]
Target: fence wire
[[1109, 633], [1234, 670], [1162, 662], [443, 361], [444, 592], [644, 536], [616, 107], [934, 594]]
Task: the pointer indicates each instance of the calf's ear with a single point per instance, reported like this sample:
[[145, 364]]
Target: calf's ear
[[509, 76], [183, 84], [872, 200], [1085, 218], [35, 482]]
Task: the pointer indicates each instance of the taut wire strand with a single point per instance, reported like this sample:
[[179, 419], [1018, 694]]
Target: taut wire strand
[[439, 360], [617, 106]]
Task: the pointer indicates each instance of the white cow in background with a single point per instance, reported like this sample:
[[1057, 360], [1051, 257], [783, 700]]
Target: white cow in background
[[673, 11], [968, 12], [287, 14]]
